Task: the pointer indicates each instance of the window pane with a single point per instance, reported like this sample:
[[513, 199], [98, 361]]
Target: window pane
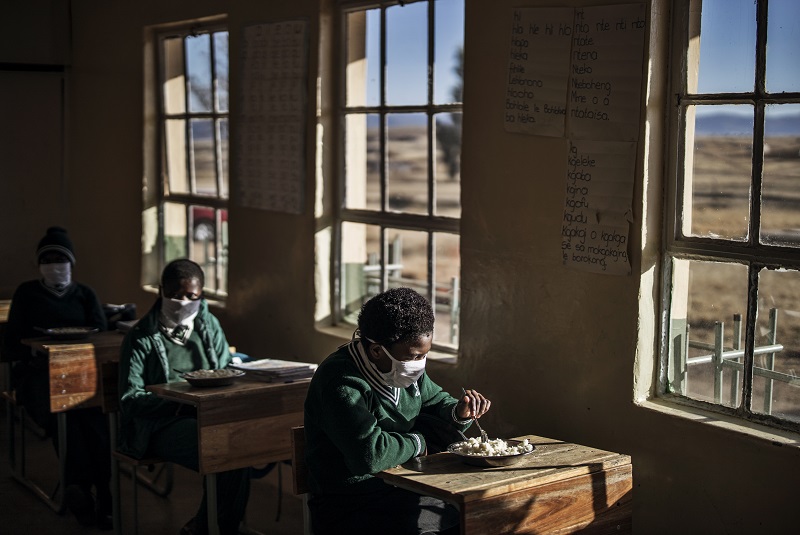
[[174, 231], [717, 171], [203, 161], [407, 154], [362, 162], [448, 73], [783, 42], [727, 46], [778, 323], [174, 81], [363, 58], [222, 134], [408, 259], [221, 69], [448, 288], [360, 265], [198, 69], [448, 164], [222, 261], [407, 54], [175, 141], [780, 211], [708, 303], [204, 234]]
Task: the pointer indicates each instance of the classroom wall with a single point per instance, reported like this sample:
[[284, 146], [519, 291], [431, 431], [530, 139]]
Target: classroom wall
[[556, 350]]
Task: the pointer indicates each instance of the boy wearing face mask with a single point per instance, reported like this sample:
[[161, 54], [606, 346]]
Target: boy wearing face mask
[[371, 406], [178, 335], [53, 301]]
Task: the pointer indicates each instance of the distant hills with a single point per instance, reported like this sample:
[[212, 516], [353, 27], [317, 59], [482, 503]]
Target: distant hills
[[730, 124]]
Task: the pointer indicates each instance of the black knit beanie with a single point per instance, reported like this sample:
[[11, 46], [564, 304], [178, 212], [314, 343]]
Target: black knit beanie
[[57, 240]]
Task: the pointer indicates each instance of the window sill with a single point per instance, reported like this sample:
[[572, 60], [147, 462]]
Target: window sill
[[777, 437], [345, 334]]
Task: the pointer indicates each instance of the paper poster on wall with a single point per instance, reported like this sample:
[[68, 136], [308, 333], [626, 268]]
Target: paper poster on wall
[[598, 206], [270, 162], [575, 72], [538, 71], [606, 72]]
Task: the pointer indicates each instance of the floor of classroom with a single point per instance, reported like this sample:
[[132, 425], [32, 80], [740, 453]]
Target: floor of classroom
[[272, 508]]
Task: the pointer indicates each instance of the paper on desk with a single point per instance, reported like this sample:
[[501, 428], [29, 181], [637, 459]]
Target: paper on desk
[[277, 370]]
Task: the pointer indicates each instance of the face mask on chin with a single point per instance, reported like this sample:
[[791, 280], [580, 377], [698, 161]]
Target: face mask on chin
[[404, 373], [56, 275], [179, 311]]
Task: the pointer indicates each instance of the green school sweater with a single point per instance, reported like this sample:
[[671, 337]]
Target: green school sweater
[[356, 425]]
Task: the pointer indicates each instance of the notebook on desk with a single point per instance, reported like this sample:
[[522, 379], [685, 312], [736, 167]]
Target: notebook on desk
[[276, 370]]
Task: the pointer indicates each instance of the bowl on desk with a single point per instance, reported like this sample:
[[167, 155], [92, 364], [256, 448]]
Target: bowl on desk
[[68, 333], [466, 450], [206, 378]]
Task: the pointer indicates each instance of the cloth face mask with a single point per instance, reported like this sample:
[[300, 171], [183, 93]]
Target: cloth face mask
[[404, 373], [179, 311], [56, 275]]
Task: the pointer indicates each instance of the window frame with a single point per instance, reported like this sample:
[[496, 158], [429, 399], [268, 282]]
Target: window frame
[[751, 253], [218, 202], [386, 218]]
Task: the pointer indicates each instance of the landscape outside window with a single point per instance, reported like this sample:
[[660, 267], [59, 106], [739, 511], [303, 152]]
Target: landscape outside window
[[400, 204], [193, 96], [733, 252]]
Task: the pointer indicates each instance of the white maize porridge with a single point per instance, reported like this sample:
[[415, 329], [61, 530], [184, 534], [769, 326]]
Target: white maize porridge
[[493, 448]]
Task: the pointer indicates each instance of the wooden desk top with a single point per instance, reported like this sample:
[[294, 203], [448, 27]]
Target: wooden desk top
[[243, 388], [446, 476]]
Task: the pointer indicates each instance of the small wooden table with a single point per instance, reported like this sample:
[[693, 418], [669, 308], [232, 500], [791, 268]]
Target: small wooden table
[[245, 424], [560, 488], [75, 382]]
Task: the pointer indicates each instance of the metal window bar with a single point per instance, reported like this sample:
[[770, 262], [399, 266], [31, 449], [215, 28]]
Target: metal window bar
[[723, 358]]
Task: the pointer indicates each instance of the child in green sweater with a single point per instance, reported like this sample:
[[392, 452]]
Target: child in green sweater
[[371, 406]]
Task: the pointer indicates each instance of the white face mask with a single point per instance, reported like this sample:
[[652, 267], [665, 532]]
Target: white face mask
[[404, 373], [179, 311], [56, 275]]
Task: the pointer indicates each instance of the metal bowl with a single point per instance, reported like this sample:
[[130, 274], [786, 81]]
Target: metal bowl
[[195, 379], [489, 460]]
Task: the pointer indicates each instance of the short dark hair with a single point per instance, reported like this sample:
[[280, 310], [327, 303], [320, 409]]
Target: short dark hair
[[182, 269], [396, 315]]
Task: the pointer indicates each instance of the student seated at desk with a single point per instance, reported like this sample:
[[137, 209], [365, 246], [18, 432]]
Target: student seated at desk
[[179, 334], [371, 407], [55, 300]]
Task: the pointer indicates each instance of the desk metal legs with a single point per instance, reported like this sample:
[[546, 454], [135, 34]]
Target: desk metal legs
[[55, 499]]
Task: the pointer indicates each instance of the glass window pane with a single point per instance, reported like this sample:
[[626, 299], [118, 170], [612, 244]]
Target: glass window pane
[[448, 288], [198, 69], [407, 54], [174, 81], [363, 58], [727, 46], [407, 263], [222, 260], [717, 171], [407, 155], [448, 68], [448, 164], [780, 204], [203, 157], [175, 141], [362, 162], [778, 323], [222, 134], [783, 42], [361, 269], [221, 69], [708, 303], [174, 231]]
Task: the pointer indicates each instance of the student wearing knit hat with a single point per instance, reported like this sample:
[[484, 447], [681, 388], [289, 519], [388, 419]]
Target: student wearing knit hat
[[55, 300]]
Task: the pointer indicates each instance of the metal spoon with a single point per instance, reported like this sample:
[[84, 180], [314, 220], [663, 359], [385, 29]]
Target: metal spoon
[[484, 435]]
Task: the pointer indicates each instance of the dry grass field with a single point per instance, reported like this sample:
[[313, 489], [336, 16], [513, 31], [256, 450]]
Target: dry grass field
[[720, 199]]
